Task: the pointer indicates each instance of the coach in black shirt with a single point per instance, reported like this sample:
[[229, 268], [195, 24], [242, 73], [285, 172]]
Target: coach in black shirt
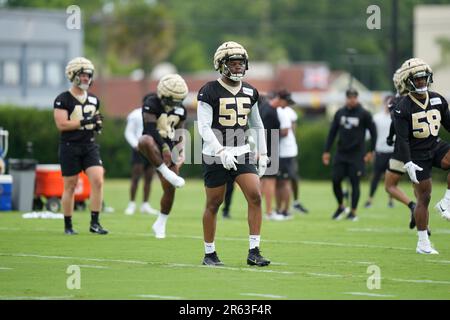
[[350, 123]]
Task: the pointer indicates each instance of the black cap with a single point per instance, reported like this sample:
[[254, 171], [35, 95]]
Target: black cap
[[351, 93], [285, 95]]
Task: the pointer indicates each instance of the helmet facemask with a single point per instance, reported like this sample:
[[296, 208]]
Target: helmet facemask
[[77, 80], [170, 103], [226, 71], [421, 74]]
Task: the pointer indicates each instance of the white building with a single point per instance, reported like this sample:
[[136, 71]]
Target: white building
[[35, 46]]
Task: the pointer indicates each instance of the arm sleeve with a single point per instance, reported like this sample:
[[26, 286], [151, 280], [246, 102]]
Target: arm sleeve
[[257, 125], [391, 131], [130, 132], [332, 133], [402, 141], [445, 115], [373, 132], [204, 118]]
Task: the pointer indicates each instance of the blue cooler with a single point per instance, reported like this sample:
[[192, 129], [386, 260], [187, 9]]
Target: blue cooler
[[5, 192]]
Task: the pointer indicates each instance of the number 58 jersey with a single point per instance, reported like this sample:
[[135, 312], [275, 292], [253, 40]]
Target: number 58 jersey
[[231, 108], [422, 120]]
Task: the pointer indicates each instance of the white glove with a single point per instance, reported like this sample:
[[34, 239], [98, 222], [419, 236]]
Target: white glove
[[411, 168], [228, 159], [263, 161]]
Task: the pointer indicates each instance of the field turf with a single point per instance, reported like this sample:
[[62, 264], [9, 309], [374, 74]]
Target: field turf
[[312, 256]]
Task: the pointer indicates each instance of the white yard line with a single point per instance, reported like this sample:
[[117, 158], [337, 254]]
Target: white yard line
[[183, 265], [440, 261], [155, 296], [421, 281], [273, 296], [73, 258], [36, 298], [4, 268], [367, 294], [93, 267], [325, 275], [320, 243]]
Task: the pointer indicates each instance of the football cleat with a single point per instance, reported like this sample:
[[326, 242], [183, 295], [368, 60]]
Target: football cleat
[[158, 230], [298, 206], [97, 228], [130, 209], [368, 204], [146, 208], [425, 248], [338, 212], [255, 259], [442, 208], [351, 217], [211, 259], [70, 232]]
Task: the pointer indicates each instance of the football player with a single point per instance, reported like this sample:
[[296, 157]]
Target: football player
[[77, 117], [395, 168], [163, 113], [417, 119], [226, 108]]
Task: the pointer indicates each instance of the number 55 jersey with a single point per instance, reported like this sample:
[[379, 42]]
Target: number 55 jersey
[[417, 123], [225, 113]]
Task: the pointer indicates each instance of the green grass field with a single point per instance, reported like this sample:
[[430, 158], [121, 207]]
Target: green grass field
[[312, 256]]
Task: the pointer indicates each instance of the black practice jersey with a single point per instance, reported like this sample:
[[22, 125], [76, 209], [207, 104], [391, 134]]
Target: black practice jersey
[[351, 125], [417, 125], [168, 118], [230, 110], [77, 110]]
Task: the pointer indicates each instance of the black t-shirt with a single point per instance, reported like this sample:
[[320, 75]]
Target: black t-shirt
[[168, 118], [230, 111], [77, 110], [417, 128], [269, 117], [351, 125]]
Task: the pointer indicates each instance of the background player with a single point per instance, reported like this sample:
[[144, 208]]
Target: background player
[[77, 117], [163, 113]]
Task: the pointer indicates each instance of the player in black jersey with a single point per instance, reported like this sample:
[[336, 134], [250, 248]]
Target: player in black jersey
[[77, 117], [163, 113], [228, 107], [395, 168], [417, 119], [351, 123]]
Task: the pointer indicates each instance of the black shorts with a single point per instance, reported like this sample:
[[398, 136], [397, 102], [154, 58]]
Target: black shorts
[[342, 169], [75, 157], [381, 161], [288, 169], [138, 158], [395, 165], [215, 175], [436, 156]]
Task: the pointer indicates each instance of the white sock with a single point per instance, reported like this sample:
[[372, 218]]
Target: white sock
[[447, 195], [162, 219], [296, 202], [209, 247], [254, 241], [423, 236]]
